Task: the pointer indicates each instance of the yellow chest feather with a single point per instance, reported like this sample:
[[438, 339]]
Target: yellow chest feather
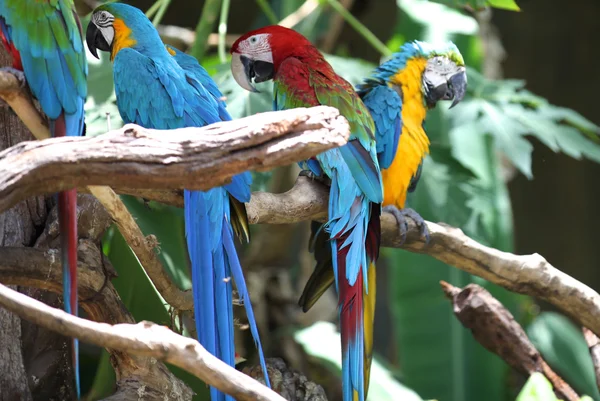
[[414, 144], [122, 38]]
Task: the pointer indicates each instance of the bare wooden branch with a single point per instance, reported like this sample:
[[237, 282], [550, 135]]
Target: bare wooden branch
[[144, 249], [144, 339], [525, 274], [494, 327], [41, 268], [193, 158], [19, 100]]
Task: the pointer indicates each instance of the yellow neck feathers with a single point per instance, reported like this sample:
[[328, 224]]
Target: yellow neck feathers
[[122, 37], [414, 144]]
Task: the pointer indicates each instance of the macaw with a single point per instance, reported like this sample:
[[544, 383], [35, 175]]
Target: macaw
[[398, 95], [45, 40], [160, 87], [303, 78]]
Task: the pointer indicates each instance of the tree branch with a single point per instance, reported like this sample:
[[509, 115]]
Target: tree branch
[[494, 327], [132, 158], [41, 268], [193, 158], [525, 274], [143, 339]]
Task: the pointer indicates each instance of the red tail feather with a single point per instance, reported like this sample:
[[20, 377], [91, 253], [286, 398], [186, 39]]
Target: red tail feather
[[67, 219]]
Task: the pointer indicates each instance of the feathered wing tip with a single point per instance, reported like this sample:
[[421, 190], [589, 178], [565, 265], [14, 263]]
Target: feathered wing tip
[[322, 277], [240, 282]]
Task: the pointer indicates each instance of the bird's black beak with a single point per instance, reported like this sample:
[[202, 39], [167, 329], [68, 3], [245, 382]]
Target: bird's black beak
[[453, 89], [458, 86], [247, 71], [95, 40]]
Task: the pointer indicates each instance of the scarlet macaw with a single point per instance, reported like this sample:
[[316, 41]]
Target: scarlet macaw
[[303, 78]]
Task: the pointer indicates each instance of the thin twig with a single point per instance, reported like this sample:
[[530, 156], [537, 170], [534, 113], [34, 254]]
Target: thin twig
[[145, 339]]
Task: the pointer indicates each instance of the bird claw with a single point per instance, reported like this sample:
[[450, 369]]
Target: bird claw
[[401, 216], [20, 75]]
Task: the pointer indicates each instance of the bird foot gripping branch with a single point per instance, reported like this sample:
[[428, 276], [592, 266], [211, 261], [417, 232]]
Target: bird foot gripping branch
[[401, 216]]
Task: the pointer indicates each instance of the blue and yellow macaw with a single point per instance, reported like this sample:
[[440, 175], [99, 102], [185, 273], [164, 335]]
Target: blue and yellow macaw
[[45, 40], [162, 88], [303, 78], [398, 95]]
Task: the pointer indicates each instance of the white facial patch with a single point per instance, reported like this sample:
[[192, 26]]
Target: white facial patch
[[258, 46], [104, 21]]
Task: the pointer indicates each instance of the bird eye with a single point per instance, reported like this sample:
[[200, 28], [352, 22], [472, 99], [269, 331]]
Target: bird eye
[[439, 62], [253, 40]]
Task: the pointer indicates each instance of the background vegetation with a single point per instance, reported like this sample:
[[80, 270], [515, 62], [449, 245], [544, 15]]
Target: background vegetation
[[512, 168]]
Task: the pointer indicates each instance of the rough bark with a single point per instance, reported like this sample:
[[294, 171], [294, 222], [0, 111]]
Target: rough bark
[[192, 158], [18, 227]]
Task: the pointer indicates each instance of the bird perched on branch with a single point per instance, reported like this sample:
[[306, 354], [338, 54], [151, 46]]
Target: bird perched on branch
[[303, 78], [162, 88], [45, 40], [398, 95]]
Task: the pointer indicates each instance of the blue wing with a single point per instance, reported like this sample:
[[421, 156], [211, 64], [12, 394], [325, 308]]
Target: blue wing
[[385, 106], [239, 187]]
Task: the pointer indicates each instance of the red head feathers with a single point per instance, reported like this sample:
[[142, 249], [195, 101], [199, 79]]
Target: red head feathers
[[257, 55]]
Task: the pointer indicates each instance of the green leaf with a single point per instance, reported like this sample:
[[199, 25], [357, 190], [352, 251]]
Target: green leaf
[[323, 341], [562, 345], [508, 112], [479, 4], [537, 388]]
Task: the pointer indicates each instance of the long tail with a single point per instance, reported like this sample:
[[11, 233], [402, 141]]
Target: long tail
[[357, 299], [214, 261], [67, 220]]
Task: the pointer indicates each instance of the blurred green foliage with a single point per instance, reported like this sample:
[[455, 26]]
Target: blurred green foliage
[[462, 185]]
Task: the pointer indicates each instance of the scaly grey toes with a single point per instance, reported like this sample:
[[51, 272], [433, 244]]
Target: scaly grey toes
[[419, 221], [401, 215], [401, 219]]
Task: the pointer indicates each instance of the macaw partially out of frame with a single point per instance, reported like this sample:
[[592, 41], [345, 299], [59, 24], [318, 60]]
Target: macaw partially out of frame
[[160, 87], [303, 78], [45, 40]]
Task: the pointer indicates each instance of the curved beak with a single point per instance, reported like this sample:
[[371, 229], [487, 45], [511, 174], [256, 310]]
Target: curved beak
[[458, 85], [95, 40], [246, 70], [442, 88], [242, 69]]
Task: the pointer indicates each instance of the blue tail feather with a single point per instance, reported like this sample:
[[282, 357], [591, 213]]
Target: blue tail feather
[[240, 282], [213, 259]]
